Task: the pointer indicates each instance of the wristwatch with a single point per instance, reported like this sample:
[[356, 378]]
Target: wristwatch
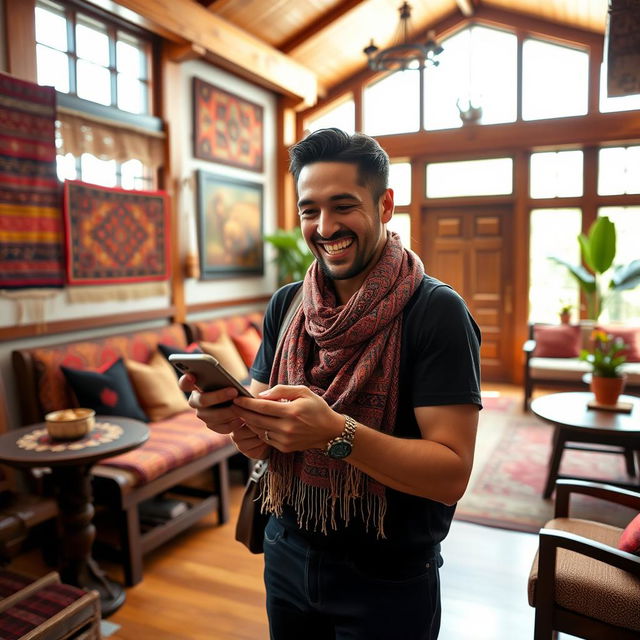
[[341, 446]]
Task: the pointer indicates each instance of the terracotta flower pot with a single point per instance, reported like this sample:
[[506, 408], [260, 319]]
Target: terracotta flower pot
[[565, 317], [607, 390]]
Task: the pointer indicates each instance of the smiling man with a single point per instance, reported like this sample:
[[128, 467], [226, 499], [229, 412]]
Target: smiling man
[[367, 410]]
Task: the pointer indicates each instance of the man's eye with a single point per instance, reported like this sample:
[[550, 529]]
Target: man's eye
[[344, 207], [307, 212]]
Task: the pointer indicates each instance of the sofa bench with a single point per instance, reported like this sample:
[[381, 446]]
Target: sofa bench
[[179, 446], [551, 356]]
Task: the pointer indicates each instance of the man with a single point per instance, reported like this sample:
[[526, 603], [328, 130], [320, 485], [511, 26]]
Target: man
[[367, 411]]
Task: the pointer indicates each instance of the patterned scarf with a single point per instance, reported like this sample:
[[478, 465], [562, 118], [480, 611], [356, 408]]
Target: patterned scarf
[[349, 355]]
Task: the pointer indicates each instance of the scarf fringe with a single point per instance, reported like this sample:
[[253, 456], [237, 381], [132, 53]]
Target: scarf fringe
[[317, 508]]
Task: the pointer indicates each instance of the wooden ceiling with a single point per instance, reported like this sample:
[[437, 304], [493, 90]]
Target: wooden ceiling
[[328, 36]]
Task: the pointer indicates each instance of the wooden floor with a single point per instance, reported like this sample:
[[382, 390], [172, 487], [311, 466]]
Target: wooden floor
[[205, 585]]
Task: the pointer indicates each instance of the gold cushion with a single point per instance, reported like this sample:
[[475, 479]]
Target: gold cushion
[[229, 357], [156, 387], [589, 587]]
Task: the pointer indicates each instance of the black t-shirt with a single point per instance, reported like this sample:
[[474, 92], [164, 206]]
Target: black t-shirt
[[439, 365]]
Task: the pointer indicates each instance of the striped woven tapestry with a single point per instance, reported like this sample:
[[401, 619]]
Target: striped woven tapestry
[[31, 222]]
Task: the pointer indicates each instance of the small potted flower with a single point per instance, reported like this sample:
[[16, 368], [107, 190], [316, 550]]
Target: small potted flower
[[607, 381], [565, 313]]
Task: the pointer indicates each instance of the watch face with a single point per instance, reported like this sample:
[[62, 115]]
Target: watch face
[[340, 449]]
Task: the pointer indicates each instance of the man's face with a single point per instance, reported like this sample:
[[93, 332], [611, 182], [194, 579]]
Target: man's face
[[341, 224]]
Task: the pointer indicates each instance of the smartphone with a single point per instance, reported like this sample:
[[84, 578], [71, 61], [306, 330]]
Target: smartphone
[[210, 375]]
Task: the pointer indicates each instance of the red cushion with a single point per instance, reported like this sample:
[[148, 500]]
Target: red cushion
[[247, 344], [557, 341], [630, 335], [630, 537]]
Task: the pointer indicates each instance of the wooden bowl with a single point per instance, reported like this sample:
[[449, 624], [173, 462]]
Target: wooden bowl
[[70, 424]]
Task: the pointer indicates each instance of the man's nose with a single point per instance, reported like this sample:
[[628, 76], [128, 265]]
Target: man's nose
[[327, 224]]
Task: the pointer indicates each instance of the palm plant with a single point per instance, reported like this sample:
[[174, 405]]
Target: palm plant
[[598, 250], [292, 254]]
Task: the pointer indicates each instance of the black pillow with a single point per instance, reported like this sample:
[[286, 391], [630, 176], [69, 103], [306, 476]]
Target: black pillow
[[107, 392]]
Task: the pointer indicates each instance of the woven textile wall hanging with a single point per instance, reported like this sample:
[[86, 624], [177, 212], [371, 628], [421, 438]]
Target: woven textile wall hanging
[[115, 236], [31, 227]]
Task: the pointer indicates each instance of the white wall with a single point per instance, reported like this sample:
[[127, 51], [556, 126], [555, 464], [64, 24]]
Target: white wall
[[57, 307]]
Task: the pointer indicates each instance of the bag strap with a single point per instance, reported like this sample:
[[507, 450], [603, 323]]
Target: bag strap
[[294, 305]]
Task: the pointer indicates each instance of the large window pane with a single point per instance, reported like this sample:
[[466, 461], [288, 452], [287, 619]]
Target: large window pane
[[623, 306], [92, 44], [392, 105], [94, 82], [342, 116], [618, 170], [130, 58], [470, 178], [401, 224], [51, 26], [478, 67], [132, 175], [102, 172], [400, 182], [554, 232], [556, 174], [66, 167], [131, 94], [53, 68], [555, 81], [618, 103]]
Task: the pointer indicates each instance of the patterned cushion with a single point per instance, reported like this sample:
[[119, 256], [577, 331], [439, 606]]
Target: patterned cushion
[[11, 583], [557, 341], [54, 393], [630, 537], [171, 443], [210, 330], [108, 391], [226, 353], [248, 342], [30, 612]]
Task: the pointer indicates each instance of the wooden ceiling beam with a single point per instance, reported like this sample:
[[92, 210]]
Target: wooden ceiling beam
[[230, 47], [318, 25]]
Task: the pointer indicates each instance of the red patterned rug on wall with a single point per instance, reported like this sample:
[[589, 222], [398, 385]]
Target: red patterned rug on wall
[[510, 471], [115, 236]]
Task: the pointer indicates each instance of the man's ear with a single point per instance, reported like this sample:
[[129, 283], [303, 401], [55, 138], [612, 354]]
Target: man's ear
[[386, 206]]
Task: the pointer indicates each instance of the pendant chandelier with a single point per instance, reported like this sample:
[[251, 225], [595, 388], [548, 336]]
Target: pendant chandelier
[[404, 54]]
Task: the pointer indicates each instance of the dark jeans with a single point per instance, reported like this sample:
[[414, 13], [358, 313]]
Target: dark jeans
[[328, 595]]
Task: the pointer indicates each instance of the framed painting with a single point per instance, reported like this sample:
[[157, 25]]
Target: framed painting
[[227, 129], [230, 213]]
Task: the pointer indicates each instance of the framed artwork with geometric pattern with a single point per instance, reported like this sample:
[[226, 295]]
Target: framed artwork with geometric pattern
[[227, 129], [115, 235]]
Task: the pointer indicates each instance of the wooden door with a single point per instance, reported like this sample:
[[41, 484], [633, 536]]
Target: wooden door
[[469, 249]]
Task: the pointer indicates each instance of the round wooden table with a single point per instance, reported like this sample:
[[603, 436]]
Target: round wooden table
[[70, 462], [575, 422]]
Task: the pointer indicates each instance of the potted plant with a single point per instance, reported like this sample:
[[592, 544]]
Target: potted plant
[[292, 254], [598, 250], [607, 381], [565, 313]]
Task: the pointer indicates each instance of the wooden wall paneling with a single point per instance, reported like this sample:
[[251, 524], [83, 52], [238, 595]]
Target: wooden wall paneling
[[595, 63], [286, 135], [358, 94], [223, 304], [418, 191], [173, 113], [20, 28], [520, 257]]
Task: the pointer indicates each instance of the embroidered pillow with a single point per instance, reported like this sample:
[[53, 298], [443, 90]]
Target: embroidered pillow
[[107, 391], [156, 387], [557, 341], [630, 537], [226, 353], [248, 342], [630, 335]]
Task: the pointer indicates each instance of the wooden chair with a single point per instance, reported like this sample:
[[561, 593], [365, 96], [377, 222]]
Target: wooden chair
[[580, 582]]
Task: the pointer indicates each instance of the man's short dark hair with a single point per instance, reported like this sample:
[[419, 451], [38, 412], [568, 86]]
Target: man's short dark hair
[[334, 145]]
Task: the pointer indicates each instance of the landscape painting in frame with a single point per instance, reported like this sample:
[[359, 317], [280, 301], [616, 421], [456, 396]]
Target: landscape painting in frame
[[229, 226], [227, 129]]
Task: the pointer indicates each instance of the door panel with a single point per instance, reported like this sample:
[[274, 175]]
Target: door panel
[[469, 249]]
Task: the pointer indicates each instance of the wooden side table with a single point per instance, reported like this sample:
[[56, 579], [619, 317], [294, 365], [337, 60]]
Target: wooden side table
[[574, 422], [70, 463]]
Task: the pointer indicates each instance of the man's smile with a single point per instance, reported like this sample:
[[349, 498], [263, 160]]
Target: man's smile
[[335, 246]]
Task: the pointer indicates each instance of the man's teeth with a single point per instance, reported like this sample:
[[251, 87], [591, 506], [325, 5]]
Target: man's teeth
[[336, 247]]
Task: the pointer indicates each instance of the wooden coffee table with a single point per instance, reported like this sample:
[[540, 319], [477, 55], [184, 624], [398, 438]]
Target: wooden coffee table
[[575, 423]]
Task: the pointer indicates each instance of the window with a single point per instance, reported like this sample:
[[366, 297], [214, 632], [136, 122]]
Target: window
[[341, 116], [479, 67], [554, 232], [400, 182], [555, 81], [470, 178], [623, 306], [392, 105], [401, 224], [556, 174], [90, 58], [618, 170], [131, 174]]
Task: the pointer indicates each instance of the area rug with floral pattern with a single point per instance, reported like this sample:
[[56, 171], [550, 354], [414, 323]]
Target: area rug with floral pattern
[[510, 470]]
